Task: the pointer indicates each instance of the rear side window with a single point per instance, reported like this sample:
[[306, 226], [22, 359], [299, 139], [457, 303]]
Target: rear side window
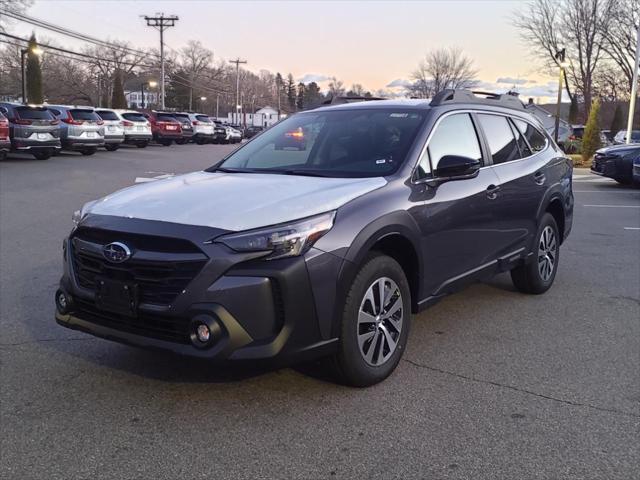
[[502, 143], [78, 114], [454, 135], [537, 141], [525, 151], [107, 115], [203, 119], [134, 117], [34, 113]]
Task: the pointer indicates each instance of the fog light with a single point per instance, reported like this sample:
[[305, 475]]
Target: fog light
[[203, 333]]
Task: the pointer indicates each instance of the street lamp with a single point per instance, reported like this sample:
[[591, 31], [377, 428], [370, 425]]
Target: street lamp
[[23, 53], [151, 84], [562, 63]]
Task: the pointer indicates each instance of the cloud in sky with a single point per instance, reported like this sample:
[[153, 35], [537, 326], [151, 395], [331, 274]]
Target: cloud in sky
[[399, 83], [314, 77], [514, 81]]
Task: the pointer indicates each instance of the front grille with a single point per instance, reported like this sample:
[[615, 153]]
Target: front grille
[[160, 267], [156, 326]]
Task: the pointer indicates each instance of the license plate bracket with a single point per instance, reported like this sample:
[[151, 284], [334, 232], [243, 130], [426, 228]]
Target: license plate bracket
[[117, 297]]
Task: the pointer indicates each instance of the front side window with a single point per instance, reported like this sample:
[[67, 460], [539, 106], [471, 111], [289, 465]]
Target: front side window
[[537, 141], [338, 143], [455, 135], [502, 143]]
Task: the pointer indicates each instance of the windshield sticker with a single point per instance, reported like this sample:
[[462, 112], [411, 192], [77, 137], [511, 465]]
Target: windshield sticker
[[398, 115]]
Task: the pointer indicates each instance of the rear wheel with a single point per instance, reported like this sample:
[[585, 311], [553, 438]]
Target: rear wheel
[[165, 143], [42, 154], [142, 144], [111, 148], [375, 323], [538, 274], [181, 141], [88, 151]]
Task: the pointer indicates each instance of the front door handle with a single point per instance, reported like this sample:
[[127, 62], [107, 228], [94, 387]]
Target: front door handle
[[539, 178], [492, 191]]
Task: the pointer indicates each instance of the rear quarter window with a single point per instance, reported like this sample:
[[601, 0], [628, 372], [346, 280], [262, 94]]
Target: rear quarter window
[[537, 141]]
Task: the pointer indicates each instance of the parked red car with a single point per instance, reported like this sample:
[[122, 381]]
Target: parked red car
[[5, 141], [165, 128]]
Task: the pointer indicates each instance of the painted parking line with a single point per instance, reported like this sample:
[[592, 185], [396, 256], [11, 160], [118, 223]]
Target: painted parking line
[[632, 192], [632, 228], [613, 206]]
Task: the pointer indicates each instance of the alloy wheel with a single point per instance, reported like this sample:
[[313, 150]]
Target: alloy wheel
[[547, 253], [380, 321]]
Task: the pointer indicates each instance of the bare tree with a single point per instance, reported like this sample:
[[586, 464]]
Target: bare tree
[[579, 26], [17, 6], [619, 38], [194, 61], [336, 88], [440, 69]]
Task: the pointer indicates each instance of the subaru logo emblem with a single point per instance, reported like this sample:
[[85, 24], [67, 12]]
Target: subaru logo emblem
[[116, 252]]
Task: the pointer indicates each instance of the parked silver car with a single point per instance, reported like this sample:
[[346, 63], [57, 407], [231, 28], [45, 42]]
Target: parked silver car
[[137, 129], [113, 130], [81, 129]]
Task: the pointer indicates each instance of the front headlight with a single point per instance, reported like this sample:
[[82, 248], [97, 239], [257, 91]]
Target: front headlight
[[287, 240]]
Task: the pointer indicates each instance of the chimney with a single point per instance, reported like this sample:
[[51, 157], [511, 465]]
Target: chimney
[[530, 101]]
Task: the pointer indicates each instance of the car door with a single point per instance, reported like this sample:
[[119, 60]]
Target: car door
[[455, 217], [522, 178]]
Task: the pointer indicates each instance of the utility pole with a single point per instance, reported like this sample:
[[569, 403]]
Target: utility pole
[[634, 90], [237, 61], [217, 106], [161, 23], [561, 58]]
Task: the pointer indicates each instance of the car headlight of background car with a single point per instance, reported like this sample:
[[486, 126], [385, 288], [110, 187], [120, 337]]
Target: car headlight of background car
[[286, 240]]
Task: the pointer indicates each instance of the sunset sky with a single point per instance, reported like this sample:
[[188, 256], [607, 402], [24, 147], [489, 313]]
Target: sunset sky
[[374, 43]]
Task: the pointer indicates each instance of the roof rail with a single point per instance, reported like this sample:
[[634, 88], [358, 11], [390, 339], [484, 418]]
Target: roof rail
[[485, 98]]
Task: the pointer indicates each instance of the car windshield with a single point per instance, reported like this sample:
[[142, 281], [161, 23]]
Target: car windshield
[[134, 117], [338, 143], [29, 113], [107, 115], [78, 114]]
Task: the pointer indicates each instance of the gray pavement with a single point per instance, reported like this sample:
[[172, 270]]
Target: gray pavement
[[494, 384]]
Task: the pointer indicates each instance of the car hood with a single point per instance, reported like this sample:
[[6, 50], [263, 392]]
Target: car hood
[[233, 201], [620, 149]]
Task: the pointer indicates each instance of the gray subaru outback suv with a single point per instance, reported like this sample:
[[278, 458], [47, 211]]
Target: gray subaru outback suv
[[324, 250]]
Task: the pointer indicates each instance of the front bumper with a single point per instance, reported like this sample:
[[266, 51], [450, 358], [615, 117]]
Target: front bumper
[[257, 309]]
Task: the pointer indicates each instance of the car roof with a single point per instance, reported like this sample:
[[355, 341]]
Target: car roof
[[403, 103]]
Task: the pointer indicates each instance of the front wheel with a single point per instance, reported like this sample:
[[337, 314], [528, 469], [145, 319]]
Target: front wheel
[[538, 274], [375, 323]]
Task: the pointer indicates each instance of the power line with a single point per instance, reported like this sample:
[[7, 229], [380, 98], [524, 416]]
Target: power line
[[161, 23]]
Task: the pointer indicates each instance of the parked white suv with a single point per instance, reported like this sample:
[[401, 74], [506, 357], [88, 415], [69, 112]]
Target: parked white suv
[[137, 129], [113, 130], [202, 128]]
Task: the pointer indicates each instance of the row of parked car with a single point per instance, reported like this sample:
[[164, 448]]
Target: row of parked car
[[43, 130], [567, 135]]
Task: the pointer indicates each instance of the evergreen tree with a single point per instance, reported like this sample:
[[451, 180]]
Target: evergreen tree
[[279, 89], [617, 123], [312, 95], [591, 137], [291, 93], [300, 100], [118, 99], [573, 111], [33, 74]]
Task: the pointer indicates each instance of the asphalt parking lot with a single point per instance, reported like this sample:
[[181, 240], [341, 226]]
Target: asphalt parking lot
[[494, 384]]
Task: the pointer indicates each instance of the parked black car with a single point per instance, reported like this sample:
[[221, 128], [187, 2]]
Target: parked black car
[[252, 131], [616, 162], [32, 129], [324, 251], [187, 127]]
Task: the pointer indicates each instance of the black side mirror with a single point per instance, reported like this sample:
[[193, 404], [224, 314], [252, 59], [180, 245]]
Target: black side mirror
[[453, 167]]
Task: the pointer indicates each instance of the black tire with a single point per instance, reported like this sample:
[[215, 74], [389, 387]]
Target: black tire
[[42, 154], [624, 181], [349, 364], [166, 143], [528, 278], [88, 151], [181, 141], [3, 155], [142, 144], [200, 141], [111, 148]]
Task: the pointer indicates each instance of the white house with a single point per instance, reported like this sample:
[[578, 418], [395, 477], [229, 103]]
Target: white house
[[548, 120], [265, 117], [134, 98]]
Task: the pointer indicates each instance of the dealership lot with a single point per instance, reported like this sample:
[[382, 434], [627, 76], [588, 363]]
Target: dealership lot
[[495, 384]]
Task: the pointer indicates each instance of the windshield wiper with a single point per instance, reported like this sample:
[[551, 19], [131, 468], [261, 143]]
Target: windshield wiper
[[237, 170], [300, 171]]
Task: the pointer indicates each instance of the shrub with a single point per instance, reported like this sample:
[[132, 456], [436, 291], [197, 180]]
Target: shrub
[[591, 138]]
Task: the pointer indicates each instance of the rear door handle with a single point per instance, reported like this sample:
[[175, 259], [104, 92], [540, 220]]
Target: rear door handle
[[539, 178], [492, 191]]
